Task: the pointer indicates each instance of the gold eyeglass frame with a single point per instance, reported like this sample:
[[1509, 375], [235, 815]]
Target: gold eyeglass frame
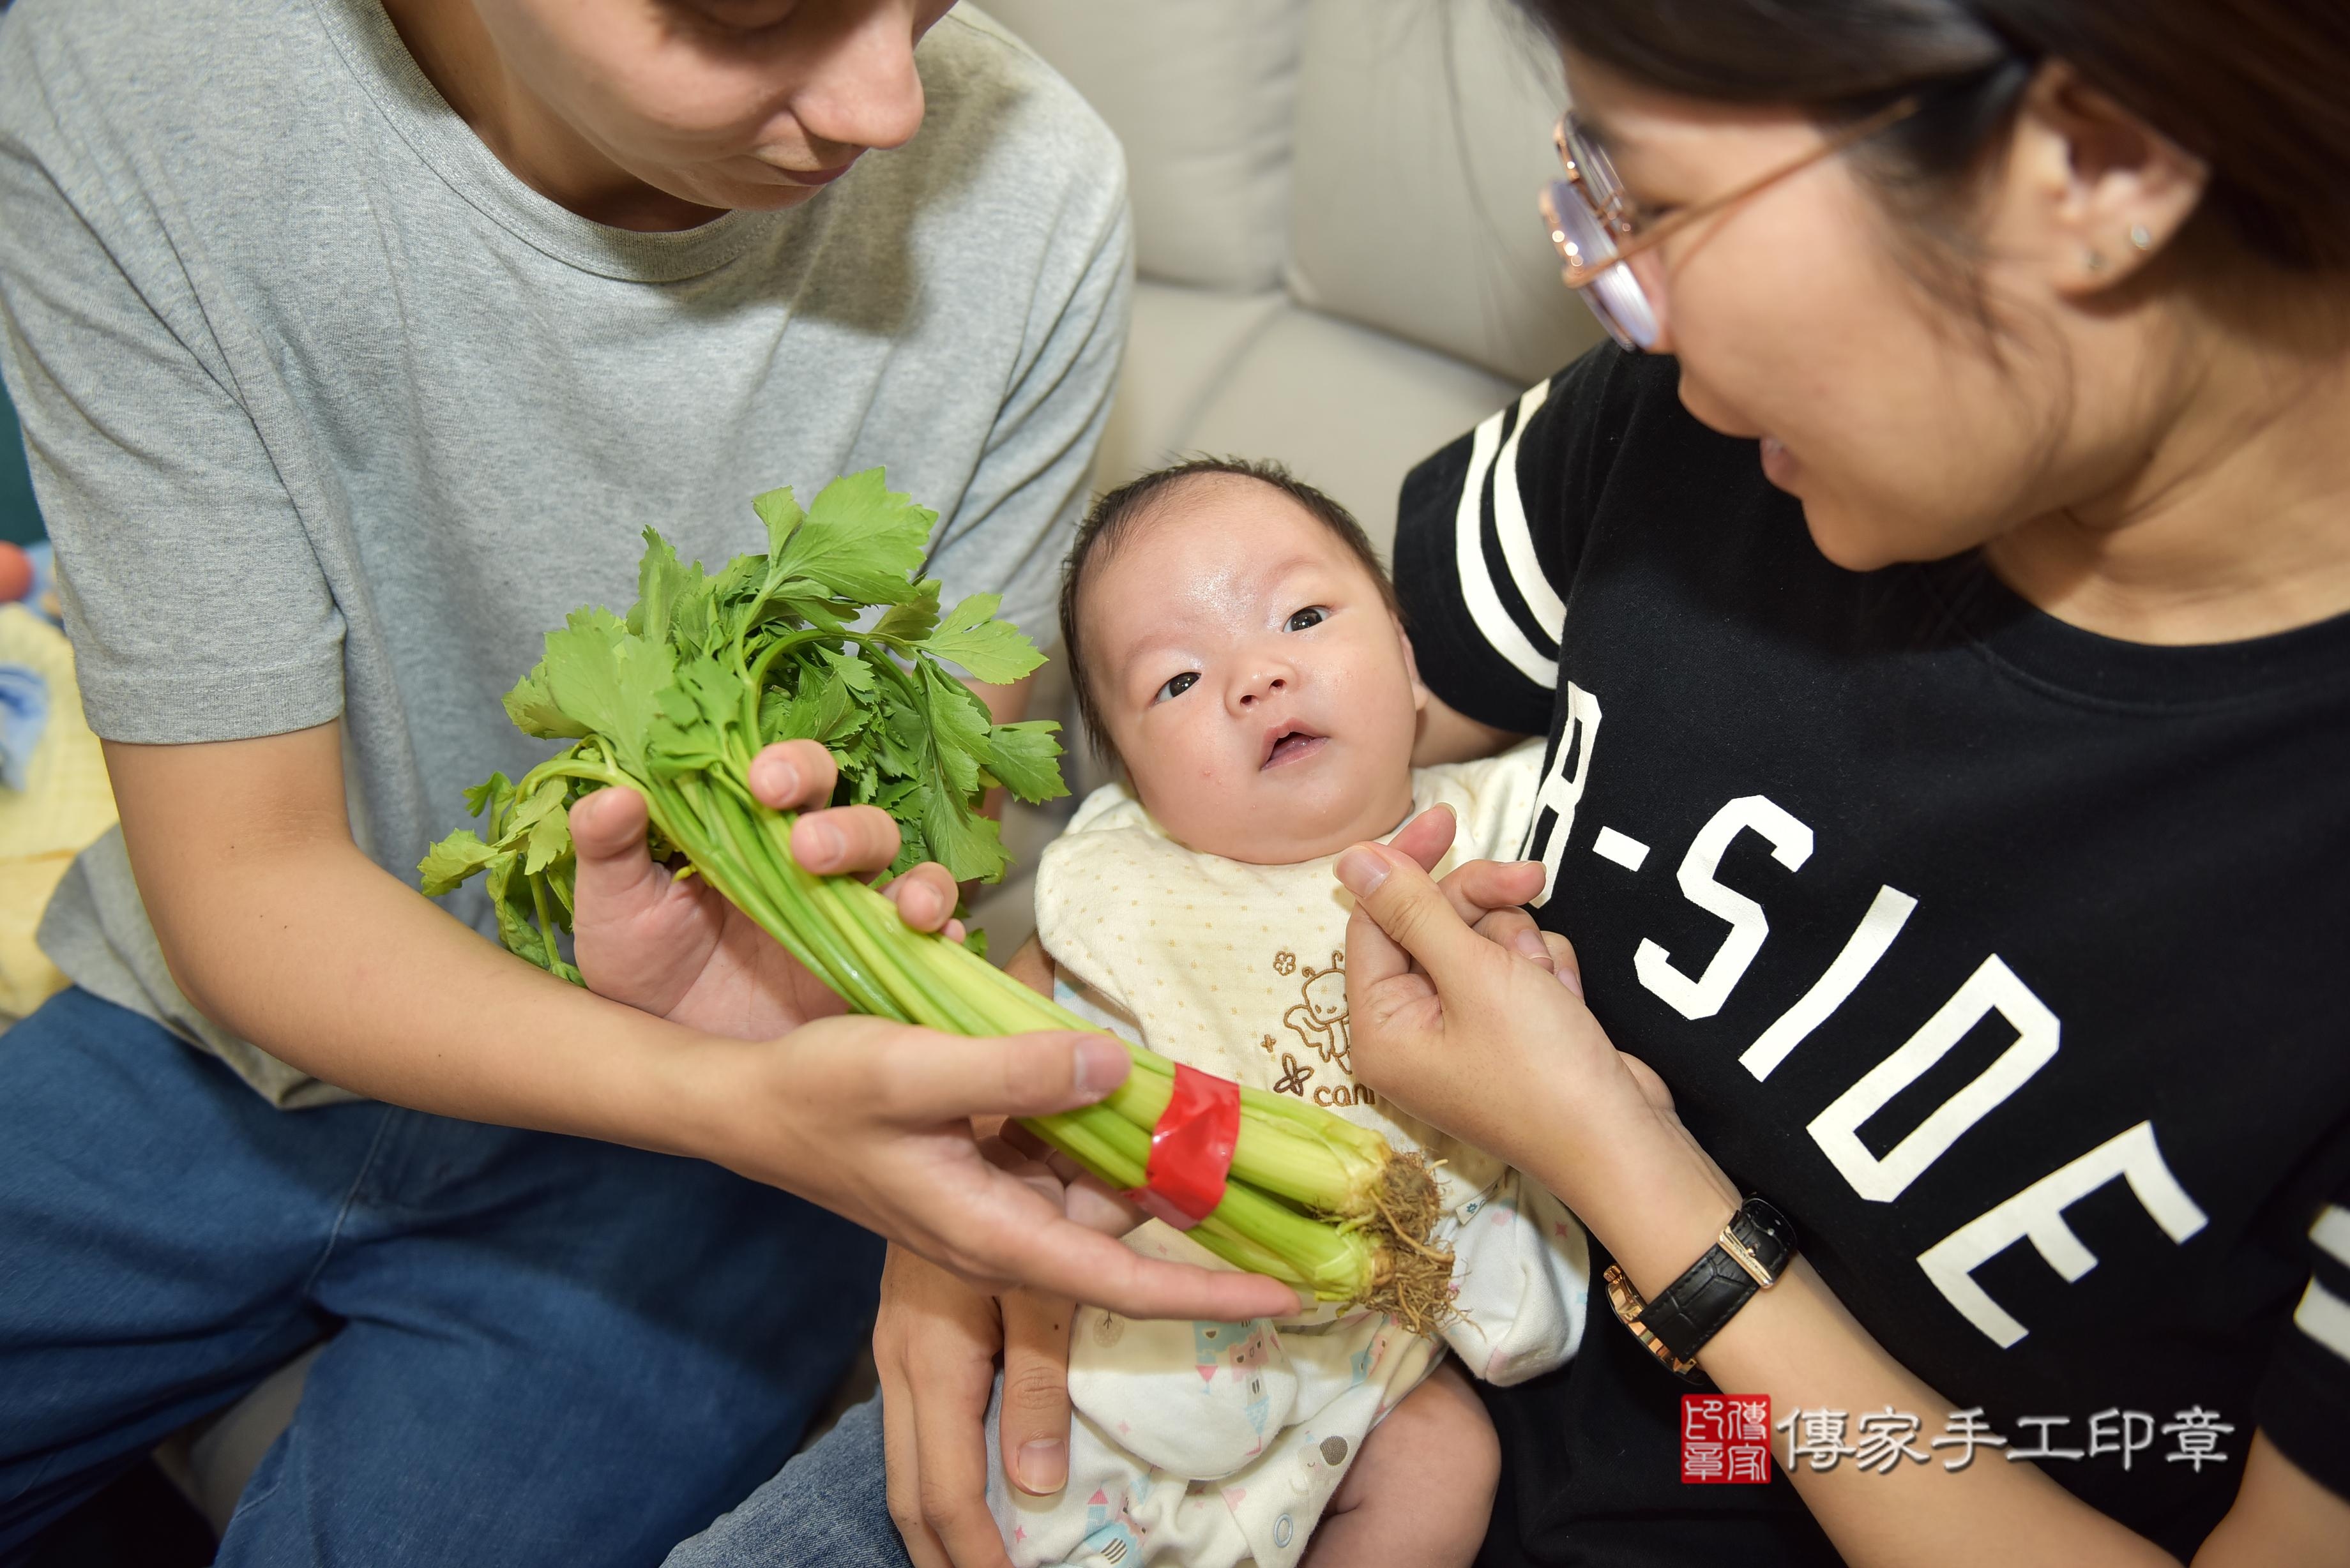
[[1620, 221]]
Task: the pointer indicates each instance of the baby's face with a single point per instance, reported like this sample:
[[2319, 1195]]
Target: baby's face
[[1261, 692]]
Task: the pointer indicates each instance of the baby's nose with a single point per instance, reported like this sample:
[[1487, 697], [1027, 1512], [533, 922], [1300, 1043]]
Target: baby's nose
[[1263, 685]]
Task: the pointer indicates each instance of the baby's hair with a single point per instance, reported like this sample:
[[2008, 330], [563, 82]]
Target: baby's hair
[[1115, 515]]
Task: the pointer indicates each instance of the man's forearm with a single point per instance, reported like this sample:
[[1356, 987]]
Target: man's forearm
[[319, 956]]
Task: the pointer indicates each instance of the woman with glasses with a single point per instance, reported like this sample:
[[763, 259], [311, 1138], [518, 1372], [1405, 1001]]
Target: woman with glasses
[[1937, 608], [1939, 605]]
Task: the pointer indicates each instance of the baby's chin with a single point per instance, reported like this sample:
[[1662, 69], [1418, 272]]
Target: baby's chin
[[1282, 832]]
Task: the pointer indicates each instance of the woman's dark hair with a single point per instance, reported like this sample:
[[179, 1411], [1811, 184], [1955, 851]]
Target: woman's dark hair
[[2255, 88], [1115, 515]]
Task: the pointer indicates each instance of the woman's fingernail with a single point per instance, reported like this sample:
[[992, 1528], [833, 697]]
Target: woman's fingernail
[[825, 843], [1530, 943], [1362, 872], [1569, 978], [1043, 1466], [1102, 1066]]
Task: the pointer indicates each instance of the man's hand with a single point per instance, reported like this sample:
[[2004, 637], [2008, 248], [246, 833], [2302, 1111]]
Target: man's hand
[[679, 950], [935, 1344]]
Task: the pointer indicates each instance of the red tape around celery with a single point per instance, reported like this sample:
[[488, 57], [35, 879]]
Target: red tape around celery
[[1191, 1148]]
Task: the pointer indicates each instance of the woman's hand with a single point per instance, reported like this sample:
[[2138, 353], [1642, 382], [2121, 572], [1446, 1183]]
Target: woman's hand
[[934, 1344], [680, 950], [1472, 1018], [1459, 1009]]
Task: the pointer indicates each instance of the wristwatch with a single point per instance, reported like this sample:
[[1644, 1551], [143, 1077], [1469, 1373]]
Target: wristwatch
[[1753, 1250]]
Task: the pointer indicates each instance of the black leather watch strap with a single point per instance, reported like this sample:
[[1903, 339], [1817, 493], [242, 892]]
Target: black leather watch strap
[[1705, 1298]]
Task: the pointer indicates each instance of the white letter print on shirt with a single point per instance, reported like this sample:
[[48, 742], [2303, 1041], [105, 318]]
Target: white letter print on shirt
[[1791, 846], [1992, 988], [2038, 1213], [1553, 820], [1887, 913]]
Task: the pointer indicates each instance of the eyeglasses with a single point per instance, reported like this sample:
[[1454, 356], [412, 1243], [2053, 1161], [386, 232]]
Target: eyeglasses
[[1598, 227]]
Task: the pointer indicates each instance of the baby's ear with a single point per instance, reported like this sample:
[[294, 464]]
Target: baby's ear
[[1419, 691]]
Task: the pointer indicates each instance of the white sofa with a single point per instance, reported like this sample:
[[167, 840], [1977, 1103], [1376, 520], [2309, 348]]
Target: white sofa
[[1340, 262], [1340, 267]]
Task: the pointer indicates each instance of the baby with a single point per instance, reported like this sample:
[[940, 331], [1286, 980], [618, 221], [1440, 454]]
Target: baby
[[1236, 646]]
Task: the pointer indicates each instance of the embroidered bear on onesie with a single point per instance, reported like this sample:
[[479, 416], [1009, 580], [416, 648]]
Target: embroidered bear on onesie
[[1320, 1020]]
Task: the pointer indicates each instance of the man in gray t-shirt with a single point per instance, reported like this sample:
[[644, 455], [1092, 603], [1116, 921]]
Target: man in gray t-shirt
[[355, 342]]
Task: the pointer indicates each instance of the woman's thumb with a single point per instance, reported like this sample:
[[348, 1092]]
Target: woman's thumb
[[1412, 910]]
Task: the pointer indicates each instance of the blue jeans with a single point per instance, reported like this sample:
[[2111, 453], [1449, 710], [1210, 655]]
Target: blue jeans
[[546, 1350], [827, 1509]]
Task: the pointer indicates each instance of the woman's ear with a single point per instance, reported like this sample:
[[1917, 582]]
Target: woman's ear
[[1419, 691], [2106, 191]]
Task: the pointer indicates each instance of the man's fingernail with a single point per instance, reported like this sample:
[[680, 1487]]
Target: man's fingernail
[[1362, 872], [1102, 1066], [1042, 1465], [1530, 944], [825, 842], [777, 779]]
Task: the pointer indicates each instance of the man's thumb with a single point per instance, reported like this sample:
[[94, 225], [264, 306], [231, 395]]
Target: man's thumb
[[617, 876], [609, 824], [1015, 1075]]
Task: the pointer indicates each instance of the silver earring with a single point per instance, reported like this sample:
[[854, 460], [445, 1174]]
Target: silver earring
[[2140, 238], [2093, 261]]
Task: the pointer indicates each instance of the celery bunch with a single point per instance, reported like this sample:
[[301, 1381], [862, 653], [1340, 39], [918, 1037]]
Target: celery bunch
[[675, 700]]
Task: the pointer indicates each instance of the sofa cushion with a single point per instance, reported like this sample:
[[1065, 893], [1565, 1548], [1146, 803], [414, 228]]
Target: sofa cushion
[[1423, 133], [1348, 408], [1183, 344], [1202, 93]]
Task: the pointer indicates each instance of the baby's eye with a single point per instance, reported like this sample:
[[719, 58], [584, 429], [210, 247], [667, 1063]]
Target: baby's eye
[[1177, 686], [1307, 618]]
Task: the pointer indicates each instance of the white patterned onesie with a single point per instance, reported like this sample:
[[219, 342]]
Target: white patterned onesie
[[1207, 1445]]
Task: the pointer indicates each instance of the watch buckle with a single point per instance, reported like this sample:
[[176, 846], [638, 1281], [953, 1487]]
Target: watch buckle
[[1744, 1256]]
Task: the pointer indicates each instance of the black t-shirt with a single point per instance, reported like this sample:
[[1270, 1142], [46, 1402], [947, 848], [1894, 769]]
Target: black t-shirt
[[2006, 959]]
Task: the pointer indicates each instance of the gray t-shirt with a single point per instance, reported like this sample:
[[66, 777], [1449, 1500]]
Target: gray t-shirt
[[330, 414]]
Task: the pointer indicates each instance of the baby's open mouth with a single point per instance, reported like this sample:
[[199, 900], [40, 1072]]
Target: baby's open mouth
[[1289, 743]]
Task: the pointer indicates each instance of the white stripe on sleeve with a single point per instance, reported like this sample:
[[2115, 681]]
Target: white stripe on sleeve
[[2325, 1318], [1510, 521], [2332, 1232], [1477, 590]]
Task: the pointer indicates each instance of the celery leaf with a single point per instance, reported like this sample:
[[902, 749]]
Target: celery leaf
[[1023, 758], [452, 861], [859, 541]]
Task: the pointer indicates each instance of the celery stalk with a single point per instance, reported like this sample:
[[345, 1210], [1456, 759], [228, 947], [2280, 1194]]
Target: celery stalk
[[675, 700]]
